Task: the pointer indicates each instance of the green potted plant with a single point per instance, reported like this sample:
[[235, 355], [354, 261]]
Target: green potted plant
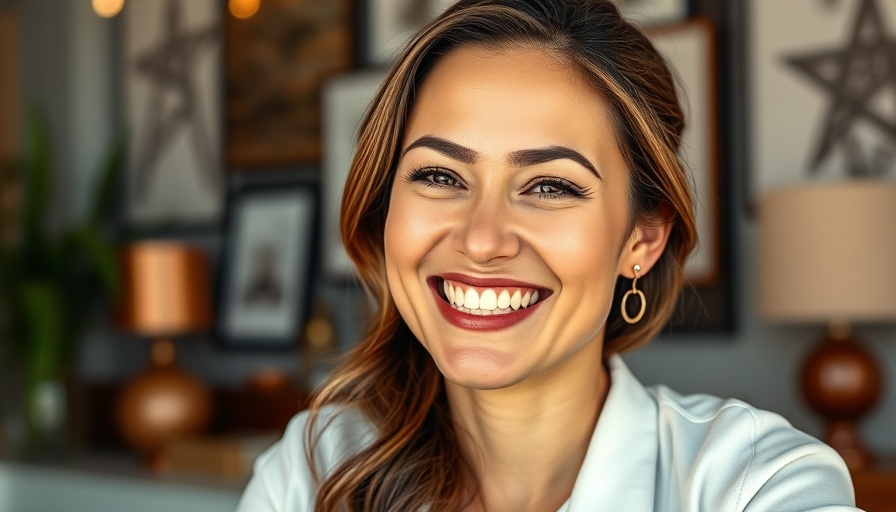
[[52, 278]]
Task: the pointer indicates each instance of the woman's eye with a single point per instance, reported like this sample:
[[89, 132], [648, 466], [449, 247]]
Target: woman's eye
[[556, 189], [434, 177], [545, 188]]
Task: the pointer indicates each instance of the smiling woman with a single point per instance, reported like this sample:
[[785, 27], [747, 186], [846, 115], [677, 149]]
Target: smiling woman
[[517, 211]]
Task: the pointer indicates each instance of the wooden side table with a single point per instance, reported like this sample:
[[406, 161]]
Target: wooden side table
[[876, 486]]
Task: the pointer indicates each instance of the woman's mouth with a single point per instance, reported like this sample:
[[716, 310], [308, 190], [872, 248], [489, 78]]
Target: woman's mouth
[[485, 304]]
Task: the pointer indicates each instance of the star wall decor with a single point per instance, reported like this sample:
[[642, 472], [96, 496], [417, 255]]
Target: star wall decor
[[170, 65], [173, 104], [856, 78], [818, 86]]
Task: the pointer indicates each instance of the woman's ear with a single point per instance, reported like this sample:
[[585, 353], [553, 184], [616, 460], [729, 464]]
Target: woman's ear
[[645, 245]]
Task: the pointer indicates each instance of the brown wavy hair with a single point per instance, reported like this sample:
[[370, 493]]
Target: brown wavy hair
[[414, 462]]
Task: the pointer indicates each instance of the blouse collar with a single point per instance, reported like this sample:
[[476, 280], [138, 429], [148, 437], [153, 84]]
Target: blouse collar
[[620, 466]]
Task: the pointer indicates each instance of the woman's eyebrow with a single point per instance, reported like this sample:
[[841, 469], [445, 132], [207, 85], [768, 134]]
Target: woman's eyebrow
[[445, 147], [525, 157], [519, 158]]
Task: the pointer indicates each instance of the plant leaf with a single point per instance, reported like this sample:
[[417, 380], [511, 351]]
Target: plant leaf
[[100, 255], [37, 185], [42, 309], [105, 190]]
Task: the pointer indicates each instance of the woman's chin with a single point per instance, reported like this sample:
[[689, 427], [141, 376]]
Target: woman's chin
[[478, 368]]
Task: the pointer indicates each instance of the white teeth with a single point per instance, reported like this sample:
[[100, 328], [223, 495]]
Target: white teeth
[[515, 300], [488, 300], [459, 297], [471, 299], [503, 300], [482, 312]]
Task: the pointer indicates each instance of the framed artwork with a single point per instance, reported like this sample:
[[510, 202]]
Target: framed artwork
[[276, 62], [654, 12], [171, 75], [345, 101], [390, 23], [690, 51], [264, 279], [706, 303], [821, 91]]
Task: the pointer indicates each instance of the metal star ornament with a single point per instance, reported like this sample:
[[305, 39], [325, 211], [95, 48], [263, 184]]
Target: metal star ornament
[[173, 104], [854, 77]]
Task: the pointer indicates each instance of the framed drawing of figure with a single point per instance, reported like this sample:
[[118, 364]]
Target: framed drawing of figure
[[264, 284]]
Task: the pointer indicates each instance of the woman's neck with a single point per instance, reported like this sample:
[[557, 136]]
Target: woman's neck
[[526, 443]]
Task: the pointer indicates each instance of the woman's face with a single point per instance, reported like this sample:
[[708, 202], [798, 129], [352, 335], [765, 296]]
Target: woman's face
[[510, 189]]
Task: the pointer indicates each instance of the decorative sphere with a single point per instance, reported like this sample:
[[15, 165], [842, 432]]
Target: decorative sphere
[[161, 404], [841, 380]]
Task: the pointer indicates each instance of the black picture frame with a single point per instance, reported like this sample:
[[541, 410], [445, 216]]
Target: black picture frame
[[708, 308], [266, 265]]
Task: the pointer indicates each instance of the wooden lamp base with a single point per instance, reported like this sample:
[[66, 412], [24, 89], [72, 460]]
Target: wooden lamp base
[[842, 381]]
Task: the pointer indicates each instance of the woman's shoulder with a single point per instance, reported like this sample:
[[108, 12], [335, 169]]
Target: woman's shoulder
[[282, 478], [729, 422], [747, 457], [341, 432]]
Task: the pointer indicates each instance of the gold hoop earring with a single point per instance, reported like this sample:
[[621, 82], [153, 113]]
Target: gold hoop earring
[[639, 293]]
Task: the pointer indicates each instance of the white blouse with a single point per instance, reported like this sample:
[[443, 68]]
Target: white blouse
[[652, 450]]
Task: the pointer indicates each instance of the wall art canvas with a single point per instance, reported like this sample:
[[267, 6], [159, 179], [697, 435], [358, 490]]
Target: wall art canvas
[[277, 61], [822, 91], [172, 92]]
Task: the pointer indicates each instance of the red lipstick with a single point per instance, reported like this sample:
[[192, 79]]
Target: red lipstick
[[477, 322]]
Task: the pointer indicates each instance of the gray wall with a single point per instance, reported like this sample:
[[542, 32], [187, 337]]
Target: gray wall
[[71, 72]]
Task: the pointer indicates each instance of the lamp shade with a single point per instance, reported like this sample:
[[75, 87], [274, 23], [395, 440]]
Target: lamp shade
[[826, 252], [166, 289]]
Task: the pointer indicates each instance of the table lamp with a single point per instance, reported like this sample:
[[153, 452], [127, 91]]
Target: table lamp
[[166, 295], [825, 256]]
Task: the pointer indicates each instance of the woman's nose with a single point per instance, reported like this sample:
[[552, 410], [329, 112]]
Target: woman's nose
[[486, 233]]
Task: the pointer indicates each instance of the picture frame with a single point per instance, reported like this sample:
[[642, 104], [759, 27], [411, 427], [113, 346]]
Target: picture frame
[[390, 23], [171, 65], [689, 48], [654, 12], [276, 63], [266, 265], [694, 51], [817, 106], [346, 99]]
